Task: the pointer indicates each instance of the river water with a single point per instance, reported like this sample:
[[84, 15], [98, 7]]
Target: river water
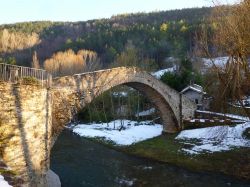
[[81, 162]]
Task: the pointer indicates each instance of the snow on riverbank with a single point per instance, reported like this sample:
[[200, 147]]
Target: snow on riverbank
[[214, 139], [3, 183], [132, 132]]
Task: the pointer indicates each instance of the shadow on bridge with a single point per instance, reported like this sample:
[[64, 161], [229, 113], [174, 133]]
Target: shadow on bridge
[[20, 124]]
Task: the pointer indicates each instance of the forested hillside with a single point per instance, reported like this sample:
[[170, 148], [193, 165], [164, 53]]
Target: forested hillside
[[154, 35]]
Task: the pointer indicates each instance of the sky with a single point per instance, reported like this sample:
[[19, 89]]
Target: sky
[[13, 11]]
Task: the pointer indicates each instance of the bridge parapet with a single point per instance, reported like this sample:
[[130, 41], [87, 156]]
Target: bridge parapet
[[20, 74]]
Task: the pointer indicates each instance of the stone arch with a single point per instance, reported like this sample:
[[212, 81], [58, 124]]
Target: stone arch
[[72, 93], [168, 118]]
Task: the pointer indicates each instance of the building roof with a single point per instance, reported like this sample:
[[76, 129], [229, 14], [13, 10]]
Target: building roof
[[194, 87]]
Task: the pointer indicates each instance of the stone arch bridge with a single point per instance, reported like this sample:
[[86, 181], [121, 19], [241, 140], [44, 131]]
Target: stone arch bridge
[[31, 117], [71, 93]]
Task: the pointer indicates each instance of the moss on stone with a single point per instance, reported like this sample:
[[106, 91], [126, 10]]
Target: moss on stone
[[7, 172]]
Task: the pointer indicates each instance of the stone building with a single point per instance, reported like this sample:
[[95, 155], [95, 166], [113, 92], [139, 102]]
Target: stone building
[[196, 93]]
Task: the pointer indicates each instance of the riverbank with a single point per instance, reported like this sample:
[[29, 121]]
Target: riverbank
[[167, 148]]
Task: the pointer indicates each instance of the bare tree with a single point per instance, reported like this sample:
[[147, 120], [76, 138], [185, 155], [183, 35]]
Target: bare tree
[[228, 33], [12, 41], [35, 61], [69, 62]]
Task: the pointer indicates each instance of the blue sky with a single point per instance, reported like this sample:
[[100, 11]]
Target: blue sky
[[80, 10]]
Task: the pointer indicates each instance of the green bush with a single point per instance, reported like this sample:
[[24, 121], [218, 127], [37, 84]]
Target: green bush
[[183, 77], [30, 80]]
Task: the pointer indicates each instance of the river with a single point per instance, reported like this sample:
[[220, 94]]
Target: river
[[82, 162]]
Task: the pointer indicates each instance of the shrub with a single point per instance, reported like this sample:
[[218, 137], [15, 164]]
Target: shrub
[[30, 80]]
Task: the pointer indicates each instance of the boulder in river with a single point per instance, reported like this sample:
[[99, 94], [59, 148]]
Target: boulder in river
[[53, 179]]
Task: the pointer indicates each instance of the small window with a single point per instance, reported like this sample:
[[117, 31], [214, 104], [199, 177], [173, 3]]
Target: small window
[[196, 101]]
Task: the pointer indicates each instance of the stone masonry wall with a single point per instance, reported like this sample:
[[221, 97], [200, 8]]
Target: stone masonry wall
[[25, 131]]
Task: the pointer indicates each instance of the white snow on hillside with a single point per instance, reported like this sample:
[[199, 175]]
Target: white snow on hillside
[[219, 61], [214, 139], [132, 131], [3, 183], [159, 73]]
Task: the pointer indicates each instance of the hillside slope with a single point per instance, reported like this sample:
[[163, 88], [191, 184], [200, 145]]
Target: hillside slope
[[156, 35]]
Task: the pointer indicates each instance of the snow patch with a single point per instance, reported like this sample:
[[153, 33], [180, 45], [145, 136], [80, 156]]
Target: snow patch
[[120, 94], [3, 183], [125, 182], [146, 112], [245, 101], [215, 139], [159, 73], [194, 87], [233, 116], [131, 132], [218, 62], [147, 167]]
